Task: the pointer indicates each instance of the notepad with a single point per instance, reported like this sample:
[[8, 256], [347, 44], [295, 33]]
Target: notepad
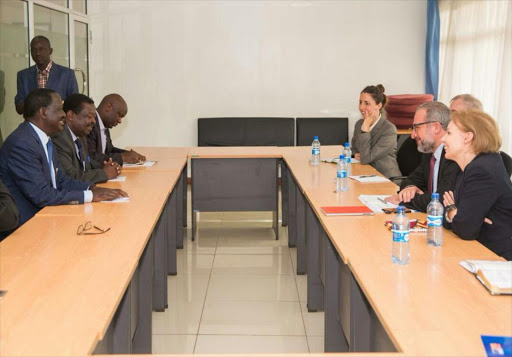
[[347, 211], [496, 346], [336, 159], [142, 164], [119, 200], [496, 276], [118, 179], [369, 178]]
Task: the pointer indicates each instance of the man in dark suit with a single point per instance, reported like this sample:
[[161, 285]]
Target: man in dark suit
[[71, 143], [435, 173], [8, 210], [110, 113], [29, 166], [44, 74]]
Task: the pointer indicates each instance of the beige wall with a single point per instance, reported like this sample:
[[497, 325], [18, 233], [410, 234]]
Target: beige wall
[[175, 61]]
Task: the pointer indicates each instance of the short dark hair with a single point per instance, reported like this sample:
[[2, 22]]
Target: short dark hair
[[377, 93], [37, 99], [75, 102], [41, 38]]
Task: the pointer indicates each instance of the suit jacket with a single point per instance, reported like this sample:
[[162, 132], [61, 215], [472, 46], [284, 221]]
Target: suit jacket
[[378, 147], [61, 79], [94, 146], [448, 171], [70, 163], [483, 190], [25, 171], [9, 214]]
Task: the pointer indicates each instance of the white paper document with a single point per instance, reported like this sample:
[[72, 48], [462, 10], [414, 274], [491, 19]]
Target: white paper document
[[142, 164], [336, 159], [376, 202], [118, 179], [119, 200], [369, 178]]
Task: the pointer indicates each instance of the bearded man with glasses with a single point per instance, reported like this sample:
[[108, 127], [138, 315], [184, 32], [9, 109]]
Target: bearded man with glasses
[[435, 173]]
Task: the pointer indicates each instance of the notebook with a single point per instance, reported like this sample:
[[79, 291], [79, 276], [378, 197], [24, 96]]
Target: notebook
[[496, 276], [347, 211], [497, 345]]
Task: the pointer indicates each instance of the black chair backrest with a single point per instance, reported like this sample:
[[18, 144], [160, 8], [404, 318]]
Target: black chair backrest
[[246, 131], [330, 131], [408, 157], [507, 161]]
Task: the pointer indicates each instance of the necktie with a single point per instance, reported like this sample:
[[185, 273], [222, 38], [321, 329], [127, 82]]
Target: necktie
[[49, 146], [80, 152], [431, 175]]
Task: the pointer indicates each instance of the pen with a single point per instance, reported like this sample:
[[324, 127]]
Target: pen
[[381, 200], [363, 176]]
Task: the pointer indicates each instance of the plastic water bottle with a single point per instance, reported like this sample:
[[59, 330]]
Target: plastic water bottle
[[341, 175], [315, 151], [435, 212], [400, 249], [348, 158]]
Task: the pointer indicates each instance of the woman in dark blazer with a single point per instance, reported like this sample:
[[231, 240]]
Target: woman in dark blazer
[[374, 139], [481, 206]]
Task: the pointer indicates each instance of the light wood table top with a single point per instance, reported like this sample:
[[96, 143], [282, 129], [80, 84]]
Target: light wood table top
[[404, 131]]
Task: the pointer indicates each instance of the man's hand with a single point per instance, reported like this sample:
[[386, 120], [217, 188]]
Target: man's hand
[[408, 193], [395, 199], [133, 157], [111, 168], [106, 194]]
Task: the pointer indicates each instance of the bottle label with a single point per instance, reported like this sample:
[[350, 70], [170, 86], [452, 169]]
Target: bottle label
[[400, 236], [348, 160], [316, 151], [342, 174], [434, 221]]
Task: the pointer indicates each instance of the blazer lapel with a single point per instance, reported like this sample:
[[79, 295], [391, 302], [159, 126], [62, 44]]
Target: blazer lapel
[[54, 74], [33, 77], [42, 154]]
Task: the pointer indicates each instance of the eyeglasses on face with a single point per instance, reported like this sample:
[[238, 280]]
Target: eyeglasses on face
[[415, 126], [84, 229]]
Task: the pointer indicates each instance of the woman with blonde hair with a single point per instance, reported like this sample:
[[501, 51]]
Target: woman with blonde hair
[[481, 206]]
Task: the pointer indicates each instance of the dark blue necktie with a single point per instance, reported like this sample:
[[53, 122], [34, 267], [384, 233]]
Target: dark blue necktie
[[49, 146], [80, 152]]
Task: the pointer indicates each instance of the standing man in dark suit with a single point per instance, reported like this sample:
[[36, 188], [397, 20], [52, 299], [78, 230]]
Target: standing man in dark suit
[[44, 74], [71, 143], [29, 166], [435, 173], [8, 211], [109, 114]]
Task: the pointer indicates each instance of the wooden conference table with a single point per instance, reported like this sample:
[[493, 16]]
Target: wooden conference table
[[75, 295]]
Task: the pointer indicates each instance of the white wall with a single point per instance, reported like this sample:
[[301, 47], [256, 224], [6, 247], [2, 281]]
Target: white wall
[[175, 61]]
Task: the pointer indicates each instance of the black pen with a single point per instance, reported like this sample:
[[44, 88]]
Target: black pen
[[363, 176]]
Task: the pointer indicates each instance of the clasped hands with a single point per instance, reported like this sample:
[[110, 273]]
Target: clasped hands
[[133, 157], [111, 168]]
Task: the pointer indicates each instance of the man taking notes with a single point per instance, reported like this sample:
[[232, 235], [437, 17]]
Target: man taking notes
[[435, 173], [110, 113], [44, 74], [71, 143], [29, 166]]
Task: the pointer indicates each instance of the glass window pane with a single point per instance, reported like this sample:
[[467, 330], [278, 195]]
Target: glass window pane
[[53, 25], [63, 3], [14, 56], [81, 58], [79, 5]]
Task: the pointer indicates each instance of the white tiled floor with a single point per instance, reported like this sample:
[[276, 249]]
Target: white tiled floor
[[237, 292]]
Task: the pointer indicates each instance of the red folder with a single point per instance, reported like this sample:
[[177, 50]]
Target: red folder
[[347, 211]]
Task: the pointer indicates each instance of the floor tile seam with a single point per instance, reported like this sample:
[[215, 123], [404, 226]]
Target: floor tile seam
[[300, 303], [204, 303]]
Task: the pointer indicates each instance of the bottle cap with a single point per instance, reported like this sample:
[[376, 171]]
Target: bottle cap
[[435, 195], [400, 209], [315, 137], [347, 145], [342, 157]]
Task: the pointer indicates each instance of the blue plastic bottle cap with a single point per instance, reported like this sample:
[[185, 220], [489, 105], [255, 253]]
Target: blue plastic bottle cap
[[315, 137], [342, 157], [400, 209], [435, 195], [347, 145]]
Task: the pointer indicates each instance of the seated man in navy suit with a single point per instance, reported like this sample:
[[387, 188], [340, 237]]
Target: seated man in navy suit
[[44, 74], [29, 164], [8, 210]]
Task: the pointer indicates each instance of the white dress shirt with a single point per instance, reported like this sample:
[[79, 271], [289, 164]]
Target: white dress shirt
[[437, 155], [103, 134]]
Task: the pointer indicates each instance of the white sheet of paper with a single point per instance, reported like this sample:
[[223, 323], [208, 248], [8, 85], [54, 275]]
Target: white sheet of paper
[[376, 202], [118, 179], [145, 164], [369, 178], [335, 160], [119, 200]]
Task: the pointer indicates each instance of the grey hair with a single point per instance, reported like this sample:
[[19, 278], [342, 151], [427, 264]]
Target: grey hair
[[436, 111], [470, 102]]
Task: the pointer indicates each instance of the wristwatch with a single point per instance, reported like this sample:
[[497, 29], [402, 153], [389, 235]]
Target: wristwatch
[[447, 210]]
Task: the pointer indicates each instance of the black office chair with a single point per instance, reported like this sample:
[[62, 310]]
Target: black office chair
[[507, 161], [408, 158], [330, 131]]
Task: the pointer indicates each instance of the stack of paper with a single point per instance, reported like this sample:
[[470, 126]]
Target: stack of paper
[[376, 202]]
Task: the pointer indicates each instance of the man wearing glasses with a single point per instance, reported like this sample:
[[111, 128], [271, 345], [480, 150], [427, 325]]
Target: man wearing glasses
[[435, 173]]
